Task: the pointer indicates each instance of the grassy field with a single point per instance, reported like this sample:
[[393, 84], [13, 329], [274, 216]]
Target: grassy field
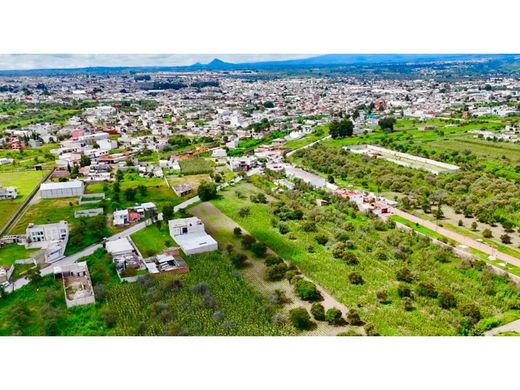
[[25, 182], [46, 211], [157, 192], [192, 180], [27, 158], [12, 252], [469, 284], [151, 240], [195, 166]]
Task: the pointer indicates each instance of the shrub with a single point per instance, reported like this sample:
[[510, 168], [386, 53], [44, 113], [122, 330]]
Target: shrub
[[472, 312], [238, 260], [447, 300], [370, 330], [350, 258], [408, 304], [426, 289], [272, 260], [355, 278], [283, 228], [307, 290], [404, 291], [259, 249], [334, 316], [505, 238], [382, 296], [309, 226], [487, 233], [248, 241], [244, 212], [276, 272], [237, 231], [404, 275], [318, 311], [129, 272], [300, 318], [321, 239], [353, 318]]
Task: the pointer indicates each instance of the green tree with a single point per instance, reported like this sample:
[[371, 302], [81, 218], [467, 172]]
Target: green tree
[[300, 318], [207, 191]]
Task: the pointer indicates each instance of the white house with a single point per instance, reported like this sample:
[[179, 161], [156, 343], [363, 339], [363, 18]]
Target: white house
[[52, 237], [62, 189], [189, 233], [120, 217], [8, 193]]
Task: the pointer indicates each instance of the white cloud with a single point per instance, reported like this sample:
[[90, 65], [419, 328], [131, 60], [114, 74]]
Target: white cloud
[[46, 61]]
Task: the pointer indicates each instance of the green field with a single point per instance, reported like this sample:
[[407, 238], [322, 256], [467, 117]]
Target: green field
[[12, 252], [157, 192], [25, 182], [470, 284], [195, 166], [212, 299], [151, 240]]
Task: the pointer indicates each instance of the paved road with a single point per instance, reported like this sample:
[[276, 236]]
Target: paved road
[[489, 250], [307, 146], [512, 326], [92, 248]]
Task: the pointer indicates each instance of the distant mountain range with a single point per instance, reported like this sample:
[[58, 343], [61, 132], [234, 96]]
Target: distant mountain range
[[319, 61]]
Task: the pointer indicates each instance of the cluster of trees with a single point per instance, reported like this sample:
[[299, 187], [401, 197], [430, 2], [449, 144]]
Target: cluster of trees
[[341, 129], [487, 198]]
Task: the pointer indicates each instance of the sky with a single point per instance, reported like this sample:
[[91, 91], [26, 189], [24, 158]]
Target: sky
[[43, 61]]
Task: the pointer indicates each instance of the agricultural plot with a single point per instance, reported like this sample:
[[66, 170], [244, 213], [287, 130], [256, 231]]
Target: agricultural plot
[[394, 303], [210, 300], [25, 182], [195, 166]]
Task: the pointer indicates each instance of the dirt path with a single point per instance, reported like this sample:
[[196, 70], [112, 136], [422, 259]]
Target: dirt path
[[459, 238], [512, 326], [217, 224]]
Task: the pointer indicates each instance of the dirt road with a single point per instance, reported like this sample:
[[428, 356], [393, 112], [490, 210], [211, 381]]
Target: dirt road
[[463, 240], [216, 222]]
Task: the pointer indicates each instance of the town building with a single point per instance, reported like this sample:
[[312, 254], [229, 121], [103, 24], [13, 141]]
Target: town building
[[62, 189], [189, 233]]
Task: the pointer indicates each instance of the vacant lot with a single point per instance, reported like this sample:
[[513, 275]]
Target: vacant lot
[[151, 240], [12, 252], [25, 182], [192, 180], [195, 166]]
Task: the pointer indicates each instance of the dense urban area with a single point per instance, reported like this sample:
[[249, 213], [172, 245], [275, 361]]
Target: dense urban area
[[241, 202]]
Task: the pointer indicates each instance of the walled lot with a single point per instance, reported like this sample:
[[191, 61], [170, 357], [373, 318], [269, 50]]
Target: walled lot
[[158, 191], [192, 180], [12, 252], [25, 181], [46, 211]]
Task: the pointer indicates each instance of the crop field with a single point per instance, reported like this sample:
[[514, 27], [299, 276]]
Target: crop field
[[480, 147], [382, 252], [195, 166], [25, 182], [211, 300]]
